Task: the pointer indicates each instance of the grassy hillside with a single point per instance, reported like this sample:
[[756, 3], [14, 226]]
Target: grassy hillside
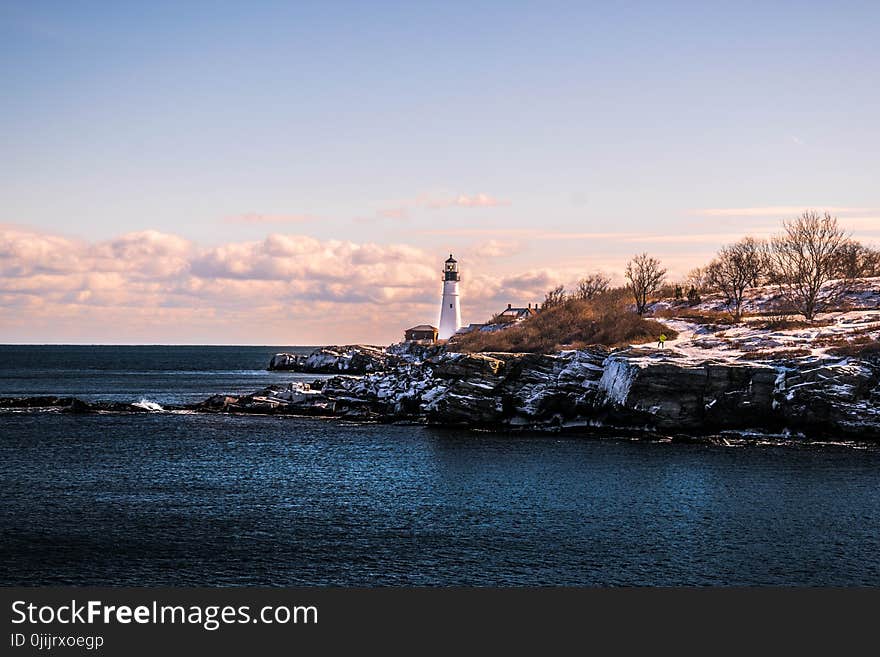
[[606, 320]]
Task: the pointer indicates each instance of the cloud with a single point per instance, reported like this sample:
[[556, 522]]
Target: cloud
[[479, 232], [394, 213], [403, 209], [494, 249], [466, 201], [145, 254], [256, 218], [867, 225], [397, 213], [777, 211], [28, 253], [331, 270], [151, 286], [565, 236], [63, 285]]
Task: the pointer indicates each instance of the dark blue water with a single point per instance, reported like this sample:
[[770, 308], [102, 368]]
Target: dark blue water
[[219, 500], [163, 374]]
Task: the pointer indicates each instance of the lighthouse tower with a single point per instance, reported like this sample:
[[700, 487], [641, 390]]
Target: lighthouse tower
[[450, 310]]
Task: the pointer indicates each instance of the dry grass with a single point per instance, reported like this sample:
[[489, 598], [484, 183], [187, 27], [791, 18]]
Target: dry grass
[[775, 354], [787, 323], [606, 320], [698, 316], [863, 346]]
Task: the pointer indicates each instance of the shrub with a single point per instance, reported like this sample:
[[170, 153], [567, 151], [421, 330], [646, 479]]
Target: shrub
[[862, 347], [703, 317], [787, 323], [777, 354], [604, 320]]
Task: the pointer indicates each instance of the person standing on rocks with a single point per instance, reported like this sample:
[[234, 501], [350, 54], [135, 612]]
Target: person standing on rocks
[[662, 342]]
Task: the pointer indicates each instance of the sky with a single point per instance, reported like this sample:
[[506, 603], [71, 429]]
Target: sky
[[296, 172]]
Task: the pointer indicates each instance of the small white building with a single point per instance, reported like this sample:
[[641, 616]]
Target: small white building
[[423, 333]]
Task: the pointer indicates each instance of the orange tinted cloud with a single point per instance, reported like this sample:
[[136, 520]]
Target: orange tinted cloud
[[257, 218], [153, 286], [467, 201]]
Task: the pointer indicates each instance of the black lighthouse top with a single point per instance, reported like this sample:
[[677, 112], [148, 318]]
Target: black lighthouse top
[[451, 269]]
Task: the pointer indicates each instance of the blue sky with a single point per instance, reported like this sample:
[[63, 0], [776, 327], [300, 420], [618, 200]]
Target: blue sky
[[539, 140]]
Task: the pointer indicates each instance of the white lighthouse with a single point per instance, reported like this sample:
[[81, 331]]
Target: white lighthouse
[[450, 310]]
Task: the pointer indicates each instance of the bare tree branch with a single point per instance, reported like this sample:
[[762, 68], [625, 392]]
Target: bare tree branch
[[645, 276], [738, 267], [555, 297], [805, 258], [591, 286]]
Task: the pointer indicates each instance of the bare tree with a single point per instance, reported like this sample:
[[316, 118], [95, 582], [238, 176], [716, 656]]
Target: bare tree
[[591, 286], [697, 280], [555, 297], [854, 261], [645, 276], [805, 258], [872, 262], [737, 268]]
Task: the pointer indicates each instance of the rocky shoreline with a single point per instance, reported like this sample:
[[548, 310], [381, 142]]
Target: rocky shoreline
[[355, 359], [598, 390]]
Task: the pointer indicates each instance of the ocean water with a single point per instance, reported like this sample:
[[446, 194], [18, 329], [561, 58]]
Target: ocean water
[[163, 374], [186, 499]]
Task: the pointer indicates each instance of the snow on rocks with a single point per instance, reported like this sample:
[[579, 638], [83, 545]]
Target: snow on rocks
[[644, 390], [861, 294], [618, 376], [349, 359], [755, 375], [854, 315], [295, 392]]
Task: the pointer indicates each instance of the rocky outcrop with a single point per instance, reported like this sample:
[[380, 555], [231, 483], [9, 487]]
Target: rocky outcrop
[[74, 405], [843, 396], [415, 352], [350, 359], [629, 390], [620, 390], [355, 359], [685, 396]]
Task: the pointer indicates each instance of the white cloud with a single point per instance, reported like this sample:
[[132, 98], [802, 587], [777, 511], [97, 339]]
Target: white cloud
[[494, 249]]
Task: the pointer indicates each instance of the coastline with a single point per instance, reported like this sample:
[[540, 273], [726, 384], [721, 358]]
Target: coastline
[[593, 391]]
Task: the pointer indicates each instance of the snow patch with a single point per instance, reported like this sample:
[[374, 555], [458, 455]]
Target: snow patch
[[617, 379]]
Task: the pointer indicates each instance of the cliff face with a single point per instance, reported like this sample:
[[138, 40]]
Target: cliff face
[[632, 390], [625, 390]]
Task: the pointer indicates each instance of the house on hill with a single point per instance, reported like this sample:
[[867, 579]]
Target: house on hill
[[421, 333], [511, 314]]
